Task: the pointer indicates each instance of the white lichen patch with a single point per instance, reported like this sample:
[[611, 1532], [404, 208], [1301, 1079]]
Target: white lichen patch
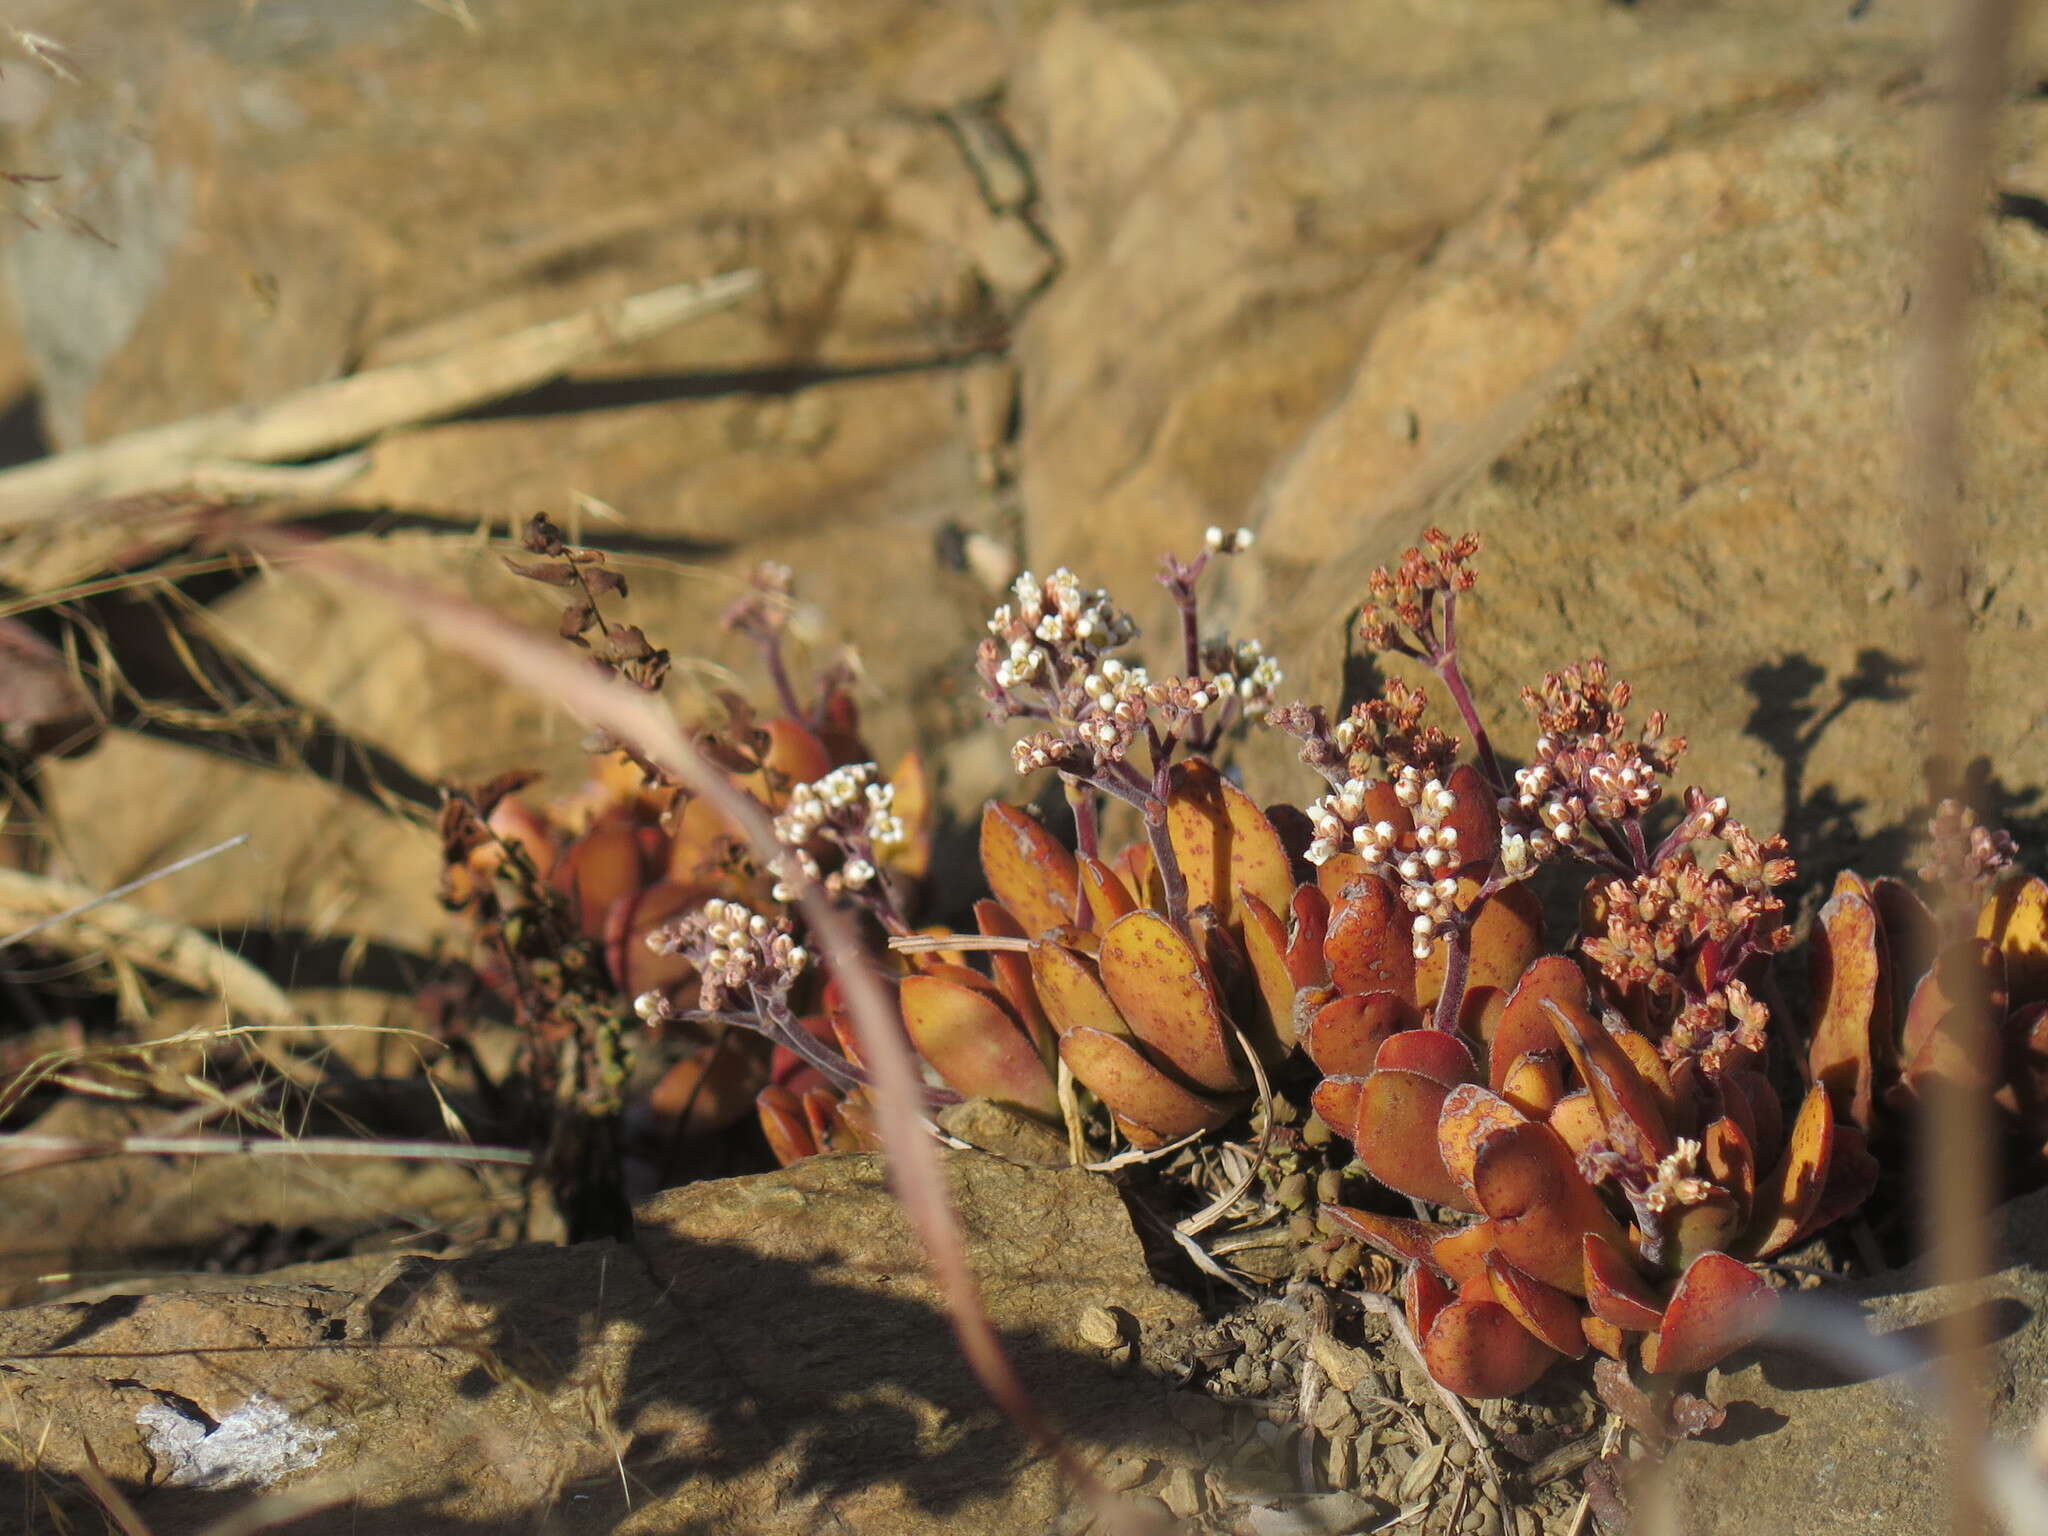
[[252, 1447]]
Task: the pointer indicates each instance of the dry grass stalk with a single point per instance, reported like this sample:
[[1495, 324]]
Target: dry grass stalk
[[646, 725]]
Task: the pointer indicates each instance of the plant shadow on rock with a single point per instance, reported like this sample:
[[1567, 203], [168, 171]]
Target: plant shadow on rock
[[728, 1388]]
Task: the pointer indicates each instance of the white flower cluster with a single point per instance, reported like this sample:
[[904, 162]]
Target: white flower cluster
[[1228, 541], [1676, 1181], [734, 949], [1421, 865], [852, 807], [1050, 622], [1253, 676], [1118, 699]]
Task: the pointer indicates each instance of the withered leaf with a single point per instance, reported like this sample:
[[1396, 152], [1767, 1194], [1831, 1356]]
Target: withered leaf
[[601, 578], [540, 536], [555, 573], [576, 618]]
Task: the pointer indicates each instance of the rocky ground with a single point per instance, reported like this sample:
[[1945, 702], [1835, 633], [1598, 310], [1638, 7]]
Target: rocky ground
[[1621, 287]]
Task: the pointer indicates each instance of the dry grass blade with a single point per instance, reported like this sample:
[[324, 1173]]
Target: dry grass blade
[[633, 716], [75, 918], [1937, 379], [343, 412], [1212, 1213], [38, 1151], [111, 1499], [119, 891]]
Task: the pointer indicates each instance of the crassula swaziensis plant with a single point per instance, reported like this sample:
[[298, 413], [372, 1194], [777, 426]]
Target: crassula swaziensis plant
[[1592, 1133]]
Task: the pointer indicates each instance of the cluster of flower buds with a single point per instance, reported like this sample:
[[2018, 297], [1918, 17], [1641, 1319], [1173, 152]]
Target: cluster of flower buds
[[738, 954], [1963, 856], [1723, 1029], [1228, 541], [1390, 730], [764, 612], [853, 809], [1117, 701], [1401, 613], [1586, 768], [1243, 670], [1422, 864], [1049, 632]]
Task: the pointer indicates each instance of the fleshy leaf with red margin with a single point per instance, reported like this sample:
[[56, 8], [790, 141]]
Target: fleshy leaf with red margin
[[1851, 1051], [1336, 1101], [1397, 1117], [1719, 1305], [1470, 1115], [1113, 1069], [1788, 1197], [1523, 1026], [1165, 995], [1430, 1052], [1616, 1290], [1544, 1310], [1462, 1254], [1541, 1209], [1369, 945], [1071, 993], [1406, 1242], [1346, 1033], [1028, 868], [1624, 1098], [976, 1045], [1222, 841], [1480, 1349]]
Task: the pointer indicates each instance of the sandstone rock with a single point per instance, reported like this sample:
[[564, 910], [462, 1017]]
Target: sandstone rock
[[767, 1352], [1858, 1450]]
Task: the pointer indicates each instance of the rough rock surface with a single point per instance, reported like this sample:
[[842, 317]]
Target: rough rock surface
[[1861, 1446], [766, 1356], [1621, 287]]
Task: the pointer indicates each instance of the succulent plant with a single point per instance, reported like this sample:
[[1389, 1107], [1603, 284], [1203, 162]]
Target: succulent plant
[[1906, 1002]]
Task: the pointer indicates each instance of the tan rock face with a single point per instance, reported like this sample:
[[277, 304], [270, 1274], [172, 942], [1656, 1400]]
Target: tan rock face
[[1619, 288], [767, 1351]]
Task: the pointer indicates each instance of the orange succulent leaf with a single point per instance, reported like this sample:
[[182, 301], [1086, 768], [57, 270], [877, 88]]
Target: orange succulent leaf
[[1534, 1084], [1749, 1099], [2015, 920], [1071, 993], [1346, 1033], [1397, 1115], [1711, 1225], [1307, 929], [1788, 1197], [2026, 1065], [1529, 1185], [1029, 870], [1265, 946], [1369, 946], [1462, 1254], [1852, 1052], [1544, 1310], [1134, 867], [1423, 1296], [784, 1124], [1113, 1069], [1480, 1349], [913, 807], [707, 1090], [1852, 1175], [1107, 896], [1470, 1115], [1650, 1067], [853, 1124], [601, 868], [1430, 1052], [1336, 1101], [1474, 816], [1223, 841], [1576, 1119], [1969, 974], [976, 1045], [1505, 939], [1730, 1162], [1523, 1026], [1719, 1305], [1404, 1241], [1616, 1290], [1166, 997], [1624, 1097], [1012, 973], [1605, 1337], [1337, 874], [635, 967]]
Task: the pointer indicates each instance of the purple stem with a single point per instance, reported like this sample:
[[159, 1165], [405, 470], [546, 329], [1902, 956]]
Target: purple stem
[[778, 674], [1445, 660], [1457, 960]]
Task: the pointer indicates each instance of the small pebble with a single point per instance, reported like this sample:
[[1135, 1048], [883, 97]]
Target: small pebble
[[1489, 1520], [1123, 1473], [1101, 1328], [1528, 1523], [1469, 1525], [1183, 1494], [1460, 1453]]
